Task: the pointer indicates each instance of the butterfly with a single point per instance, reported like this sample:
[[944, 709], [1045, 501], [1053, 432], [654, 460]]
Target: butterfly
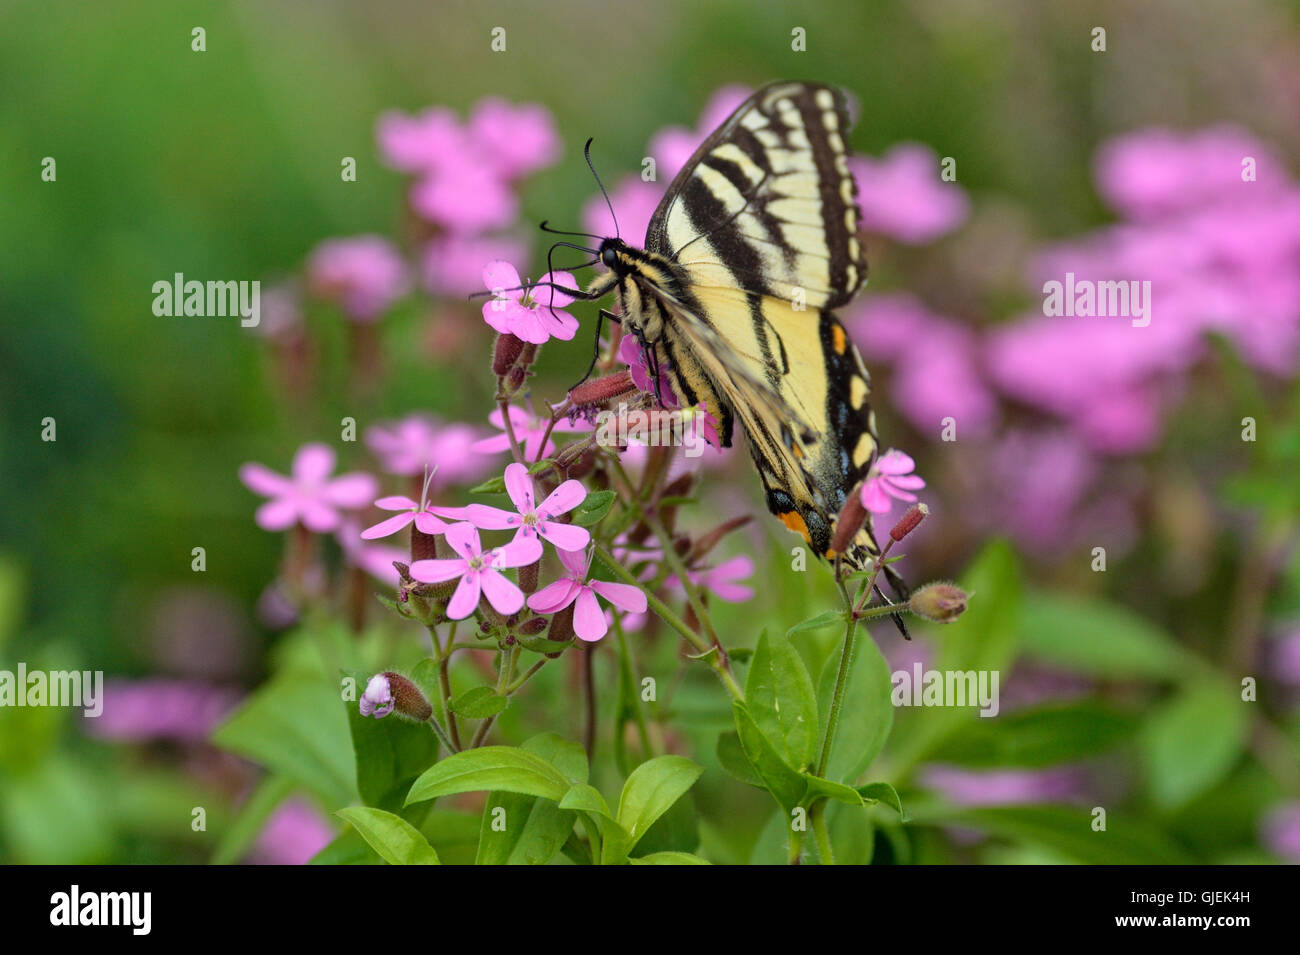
[[751, 249]]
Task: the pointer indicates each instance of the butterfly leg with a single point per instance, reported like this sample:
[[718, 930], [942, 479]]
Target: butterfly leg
[[601, 315]]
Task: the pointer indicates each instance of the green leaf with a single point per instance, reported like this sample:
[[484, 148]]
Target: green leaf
[[478, 703], [1127, 839], [497, 485], [831, 790], [396, 840], [594, 508], [1098, 638], [540, 644], [677, 830], [866, 713], [822, 620], [1192, 741], [651, 790], [584, 798], [883, 792], [295, 727], [487, 768], [668, 858], [535, 829], [1037, 736], [734, 761], [779, 694], [389, 754], [786, 786]]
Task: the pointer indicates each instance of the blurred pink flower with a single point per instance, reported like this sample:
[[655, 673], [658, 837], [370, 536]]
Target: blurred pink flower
[[528, 429], [890, 478], [375, 559], [138, 711], [409, 445], [310, 497], [1280, 832], [516, 140], [1036, 482], [672, 146], [452, 264], [363, 274], [1284, 657], [295, 832], [589, 621], [532, 519], [479, 571], [1003, 787], [1155, 172], [634, 203], [902, 196], [534, 315], [465, 195], [420, 143], [722, 580]]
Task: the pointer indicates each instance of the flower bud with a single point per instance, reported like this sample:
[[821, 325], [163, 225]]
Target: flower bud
[[939, 602], [423, 546], [529, 577], [505, 353], [907, 523], [533, 626], [390, 692], [598, 391], [576, 459], [562, 625]]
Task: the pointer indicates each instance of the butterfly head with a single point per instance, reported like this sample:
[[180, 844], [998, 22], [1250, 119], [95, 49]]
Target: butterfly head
[[613, 255]]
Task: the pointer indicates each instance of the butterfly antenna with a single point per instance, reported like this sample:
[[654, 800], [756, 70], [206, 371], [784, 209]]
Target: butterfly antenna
[[586, 151], [546, 227]]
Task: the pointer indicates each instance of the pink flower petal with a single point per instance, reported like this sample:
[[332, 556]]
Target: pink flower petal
[[262, 480], [874, 497], [520, 552], [559, 324], [396, 503], [464, 540], [912, 482], [623, 596], [894, 462], [501, 593], [437, 571], [277, 515], [554, 596], [566, 537], [351, 490], [520, 487], [563, 499], [502, 275], [464, 601], [588, 619], [549, 297], [490, 518], [390, 526], [428, 524], [575, 562], [313, 463], [318, 516]]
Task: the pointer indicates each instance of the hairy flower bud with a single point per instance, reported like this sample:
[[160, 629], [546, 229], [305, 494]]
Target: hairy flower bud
[[599, 391], [852, 516], [939, 602], [505, 353], [529, 577], [532, 626], [390, 692], [908, 522], [576, 459]]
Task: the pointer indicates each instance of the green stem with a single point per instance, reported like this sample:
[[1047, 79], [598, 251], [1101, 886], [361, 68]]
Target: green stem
[[272, 791], [638, 712], [817, 814], [527, 675]]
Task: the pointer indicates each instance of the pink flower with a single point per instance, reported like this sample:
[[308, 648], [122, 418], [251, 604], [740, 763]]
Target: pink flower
[[535, 315], [142, 710], [633, 355], [890, 477], [310, 497], [418, 442], [634, 201], [902, 196], [964, 787], [420, 143], [377, 700], [452, 264], [375, 559], [533, 519], [479, 571], [294, 833], [465, 195], [528, 429], [517, 140], [722, 579], [588, 619], [424, 516], [364, 274]]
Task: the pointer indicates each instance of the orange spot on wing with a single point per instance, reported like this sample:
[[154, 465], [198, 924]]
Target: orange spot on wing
[[794, 521], [840, 340]]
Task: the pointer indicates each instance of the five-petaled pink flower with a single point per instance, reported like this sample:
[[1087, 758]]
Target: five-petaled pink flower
[[588, 619], [528, 430], [890, 477], [533, 314], [533, 519], [479, 571], [310, 496], [364, 274], [426, 518]]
